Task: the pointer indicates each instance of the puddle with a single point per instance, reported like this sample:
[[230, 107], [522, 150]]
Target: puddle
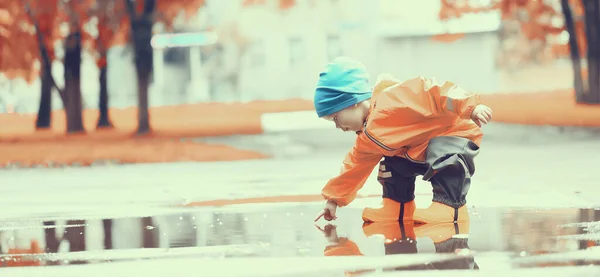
[[494, 238]]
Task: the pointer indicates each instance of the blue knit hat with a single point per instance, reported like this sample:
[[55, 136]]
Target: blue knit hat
[[345, 82]]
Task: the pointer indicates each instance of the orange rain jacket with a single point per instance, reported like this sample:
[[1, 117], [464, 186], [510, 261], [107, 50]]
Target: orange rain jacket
[[403, 117]]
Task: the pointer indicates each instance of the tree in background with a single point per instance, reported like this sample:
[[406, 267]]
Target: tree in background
[[131, 21], [142, 14], [141, 33], [528, 30], [14, 66], [534, 31], [13, 39], [110, 19], [37, 27], [75, 15], [588, 38], [577, 43], [31, 28], [43, 16], [28, 49]]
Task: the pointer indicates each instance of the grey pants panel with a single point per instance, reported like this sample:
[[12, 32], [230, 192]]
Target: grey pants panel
[[449, 166]]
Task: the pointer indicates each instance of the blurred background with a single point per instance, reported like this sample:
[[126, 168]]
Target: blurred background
[[98, 84], [204, 68], [244, 50], [290, 41]]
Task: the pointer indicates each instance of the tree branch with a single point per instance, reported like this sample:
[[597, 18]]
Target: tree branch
[[130, 8], [149, 6], [46, 62], [573, 48]]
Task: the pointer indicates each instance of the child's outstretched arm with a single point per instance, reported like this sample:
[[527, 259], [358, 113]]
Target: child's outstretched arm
[[358, 165]]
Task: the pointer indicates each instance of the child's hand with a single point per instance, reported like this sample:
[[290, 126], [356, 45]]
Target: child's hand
[[328, 212], [482, 115], [330, 233]]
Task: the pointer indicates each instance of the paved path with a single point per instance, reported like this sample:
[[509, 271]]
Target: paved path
[[554, 173], [518, 173]]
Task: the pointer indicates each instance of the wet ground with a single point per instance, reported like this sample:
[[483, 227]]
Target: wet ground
[[532, 212], [494, 239]]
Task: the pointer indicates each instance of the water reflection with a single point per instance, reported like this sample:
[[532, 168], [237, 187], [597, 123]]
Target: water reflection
[[545, 233], [401, 238], [591, 216], [289, 232], [73, 238]]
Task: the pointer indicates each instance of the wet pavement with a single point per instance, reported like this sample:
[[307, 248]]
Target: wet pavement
[[532, 213], [494, 239]]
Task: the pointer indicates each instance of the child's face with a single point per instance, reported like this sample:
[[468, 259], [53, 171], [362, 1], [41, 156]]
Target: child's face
[[349, 119]]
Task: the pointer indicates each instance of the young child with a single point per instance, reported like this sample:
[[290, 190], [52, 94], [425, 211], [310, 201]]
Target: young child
[[417, 126]]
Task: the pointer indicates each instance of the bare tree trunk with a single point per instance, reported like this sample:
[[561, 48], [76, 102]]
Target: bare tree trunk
[[592, 30], [103, 119], [108, 226], [75, 234], [574, 51], [150, 236], [44, 120], [44, 115], [52, 242], [73, 105], [143, 109], [141, 29], [76, 237]]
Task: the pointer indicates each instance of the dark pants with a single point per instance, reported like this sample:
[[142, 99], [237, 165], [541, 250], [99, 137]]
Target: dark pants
[[448, 166]]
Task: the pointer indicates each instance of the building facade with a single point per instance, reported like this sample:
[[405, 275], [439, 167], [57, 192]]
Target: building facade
[[266, 53]]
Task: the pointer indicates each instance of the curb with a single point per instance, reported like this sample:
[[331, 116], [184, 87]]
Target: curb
[[522, 114], [183, 121], [554, 108], [275, 123], [292, 121]]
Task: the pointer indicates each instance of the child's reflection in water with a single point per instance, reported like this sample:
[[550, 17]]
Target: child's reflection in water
[[400, 238]]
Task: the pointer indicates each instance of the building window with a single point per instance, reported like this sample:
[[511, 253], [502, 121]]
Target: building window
[[334, 47], [297, 51]]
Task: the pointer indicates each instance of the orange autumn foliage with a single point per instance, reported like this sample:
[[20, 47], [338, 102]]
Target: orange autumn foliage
[[110, 20], [169, 9], [535, 22], [48, 15], [19, 42], [281, 4], [76, 14], [5, 22], [17, 54], [20, 37]]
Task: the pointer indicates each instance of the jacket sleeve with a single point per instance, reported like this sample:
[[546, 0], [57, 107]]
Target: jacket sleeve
[[448, 97], [358, 165]]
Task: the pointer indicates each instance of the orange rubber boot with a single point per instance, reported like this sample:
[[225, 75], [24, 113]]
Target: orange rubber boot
[[390, 210], [391, 230], [440, 213], [344, 247], [440, 232]]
